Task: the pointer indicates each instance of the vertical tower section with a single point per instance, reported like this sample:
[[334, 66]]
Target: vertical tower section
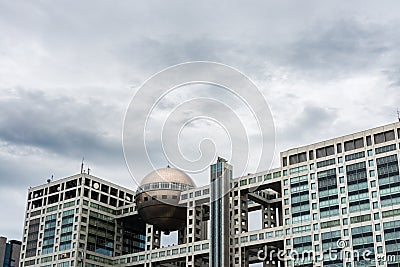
[[220, 178]]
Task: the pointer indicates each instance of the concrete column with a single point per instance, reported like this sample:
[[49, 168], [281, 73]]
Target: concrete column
[[152, 237], [182, 235], [3, 242], [269, 216]]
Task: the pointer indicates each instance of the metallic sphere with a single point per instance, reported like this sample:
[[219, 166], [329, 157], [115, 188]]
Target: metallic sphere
[[157, 198]]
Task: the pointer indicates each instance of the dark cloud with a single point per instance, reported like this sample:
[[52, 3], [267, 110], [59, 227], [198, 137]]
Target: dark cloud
[[61, 125]]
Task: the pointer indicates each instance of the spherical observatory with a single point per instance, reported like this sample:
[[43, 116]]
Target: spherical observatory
[[157, 198]]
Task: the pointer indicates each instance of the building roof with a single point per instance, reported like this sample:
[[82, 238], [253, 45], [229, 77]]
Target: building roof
[[168, 175]]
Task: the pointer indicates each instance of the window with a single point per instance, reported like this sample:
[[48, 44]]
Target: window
[[325, 151], [369, 152], [384, 137], [360, 218], [284, 161], [339, 148], [298, 158], [385, 149], [354, 156], [324, 163], [298, 169], [330, 224], [354, 144], [277, 174], [316, 237], [345, 232]]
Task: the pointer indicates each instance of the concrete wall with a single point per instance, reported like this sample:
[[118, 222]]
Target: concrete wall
[[3, 242], [15, 253]]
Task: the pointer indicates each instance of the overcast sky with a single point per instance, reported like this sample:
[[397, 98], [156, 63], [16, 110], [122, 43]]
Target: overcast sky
[[69, 69]]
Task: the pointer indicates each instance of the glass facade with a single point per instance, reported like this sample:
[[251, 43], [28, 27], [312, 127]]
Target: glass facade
[[389, 181], [357, 186], [101, 234], [216, 215], [300, 199], [392, 241], [49, 234], [67, 224], [328, 193]]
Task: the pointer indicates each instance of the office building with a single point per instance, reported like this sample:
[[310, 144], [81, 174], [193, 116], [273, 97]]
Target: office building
[[9, 252], [341, 195]]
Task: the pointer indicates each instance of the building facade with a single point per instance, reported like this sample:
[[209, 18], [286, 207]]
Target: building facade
[[9, 252], [332, 203]]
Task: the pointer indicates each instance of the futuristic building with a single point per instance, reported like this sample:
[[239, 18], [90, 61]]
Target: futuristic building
[[340, 196], [157, 199]]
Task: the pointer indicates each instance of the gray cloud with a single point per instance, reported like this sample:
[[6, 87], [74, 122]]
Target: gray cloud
[[67, 73], [312, 121], [61, 125], [343, 46]]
